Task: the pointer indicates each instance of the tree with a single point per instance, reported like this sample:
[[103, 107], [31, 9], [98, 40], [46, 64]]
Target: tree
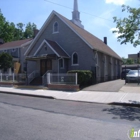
[[11, 32], [5, 61], [128, 28], [29, 30], [19, 32], [128, 61], [5, 29]]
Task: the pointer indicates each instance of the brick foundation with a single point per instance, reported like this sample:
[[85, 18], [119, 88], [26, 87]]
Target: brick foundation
[[10, 84], [63, 87]]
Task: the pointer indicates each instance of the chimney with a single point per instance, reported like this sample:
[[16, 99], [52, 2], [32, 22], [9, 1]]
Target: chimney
[[105, 40], [1, 41], [35, 32]]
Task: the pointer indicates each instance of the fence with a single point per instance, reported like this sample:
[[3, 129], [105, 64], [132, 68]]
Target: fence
[[62, 78], [11, 78]]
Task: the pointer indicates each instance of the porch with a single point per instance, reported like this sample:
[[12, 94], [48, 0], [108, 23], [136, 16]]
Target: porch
[[38, 67]]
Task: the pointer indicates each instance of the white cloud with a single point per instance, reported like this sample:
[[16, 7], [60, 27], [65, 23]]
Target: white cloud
[[117, 2], [104, 21], [116, 34]]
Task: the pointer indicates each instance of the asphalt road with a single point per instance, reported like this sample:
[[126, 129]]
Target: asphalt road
[[110, 86], [29, 118]]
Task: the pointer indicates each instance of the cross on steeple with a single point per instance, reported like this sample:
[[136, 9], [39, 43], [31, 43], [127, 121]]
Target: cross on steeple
[[76, 15]]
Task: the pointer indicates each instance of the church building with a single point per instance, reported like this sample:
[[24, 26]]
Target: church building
[[62, 45]]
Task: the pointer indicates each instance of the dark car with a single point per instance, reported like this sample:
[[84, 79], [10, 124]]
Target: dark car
[[124, 73]]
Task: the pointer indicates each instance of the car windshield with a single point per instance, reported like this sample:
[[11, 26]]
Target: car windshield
[[133, 72], [126, 70]]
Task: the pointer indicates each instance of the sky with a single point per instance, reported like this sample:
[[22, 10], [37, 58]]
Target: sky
[[96, 16]]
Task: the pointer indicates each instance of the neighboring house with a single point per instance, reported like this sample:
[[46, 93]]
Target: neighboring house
[[135, 57], [62, 45], [17, 50]]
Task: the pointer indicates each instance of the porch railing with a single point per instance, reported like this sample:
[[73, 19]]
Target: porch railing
[[62, 78], [44, 78], [12, 78], [32, 76]]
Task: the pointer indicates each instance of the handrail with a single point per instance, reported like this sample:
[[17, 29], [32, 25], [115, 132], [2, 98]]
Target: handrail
[[32, 75]]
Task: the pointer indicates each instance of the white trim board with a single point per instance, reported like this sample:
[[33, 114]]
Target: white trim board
[[45, 41]]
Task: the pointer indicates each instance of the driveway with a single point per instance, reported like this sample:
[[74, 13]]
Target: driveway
[[111, 86], [131, 88]]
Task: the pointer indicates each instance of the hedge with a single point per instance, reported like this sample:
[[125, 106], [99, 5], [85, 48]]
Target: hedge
[[84, 76]]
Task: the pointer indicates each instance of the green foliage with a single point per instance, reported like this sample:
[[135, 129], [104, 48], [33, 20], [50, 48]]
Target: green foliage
[[29, 30], [84, 76], [128, 28], [10, 31], [5, 61], [128, 61]]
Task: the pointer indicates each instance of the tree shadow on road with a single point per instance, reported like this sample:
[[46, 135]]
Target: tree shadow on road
[[124, 112]]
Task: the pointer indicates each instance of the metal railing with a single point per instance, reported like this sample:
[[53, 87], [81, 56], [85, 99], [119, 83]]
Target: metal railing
[[12, 78], [33, 75], [44, 78], [62, 78]]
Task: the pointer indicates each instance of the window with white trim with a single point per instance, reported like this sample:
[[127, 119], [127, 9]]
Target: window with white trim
[[75, 59], [61, 63], [55, 27]]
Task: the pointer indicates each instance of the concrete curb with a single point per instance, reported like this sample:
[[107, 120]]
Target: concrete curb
[[51, 97], [124, 104], [30, 95]]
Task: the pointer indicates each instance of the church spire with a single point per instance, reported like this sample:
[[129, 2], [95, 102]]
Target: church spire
[[76, 15], [75, 6]]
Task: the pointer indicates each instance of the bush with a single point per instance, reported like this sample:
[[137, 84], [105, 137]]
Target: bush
[[84, 76], [6, 61]]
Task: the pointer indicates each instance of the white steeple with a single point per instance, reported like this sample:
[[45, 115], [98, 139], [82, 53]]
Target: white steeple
[[76, 15]]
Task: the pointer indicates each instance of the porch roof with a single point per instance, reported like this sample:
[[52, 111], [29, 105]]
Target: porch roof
[[45, 56]]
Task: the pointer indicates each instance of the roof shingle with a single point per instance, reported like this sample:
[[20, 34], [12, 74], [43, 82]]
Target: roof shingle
[[13, 44], [57, 48], [94, 42]]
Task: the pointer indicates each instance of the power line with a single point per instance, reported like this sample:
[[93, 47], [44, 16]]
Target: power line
[[80, 11]]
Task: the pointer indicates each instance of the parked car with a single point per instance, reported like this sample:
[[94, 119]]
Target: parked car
[[133, 75], [124, 72]]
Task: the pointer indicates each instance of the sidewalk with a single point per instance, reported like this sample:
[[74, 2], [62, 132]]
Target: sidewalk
[[84, 96]]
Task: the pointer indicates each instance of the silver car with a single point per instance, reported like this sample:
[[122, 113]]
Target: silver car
[[133, 75]]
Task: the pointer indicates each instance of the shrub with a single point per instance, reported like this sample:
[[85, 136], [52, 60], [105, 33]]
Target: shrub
[[84, 76]]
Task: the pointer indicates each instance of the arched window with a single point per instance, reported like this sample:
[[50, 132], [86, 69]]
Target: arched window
[[55, 27], [74, 58], [96, 59]]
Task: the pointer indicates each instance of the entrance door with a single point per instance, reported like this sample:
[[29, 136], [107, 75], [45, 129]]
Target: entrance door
[[45, 65]]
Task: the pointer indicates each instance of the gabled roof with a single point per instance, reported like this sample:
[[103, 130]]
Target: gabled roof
[[54, 47], [15, 44], [92, 41], [57, 49]]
